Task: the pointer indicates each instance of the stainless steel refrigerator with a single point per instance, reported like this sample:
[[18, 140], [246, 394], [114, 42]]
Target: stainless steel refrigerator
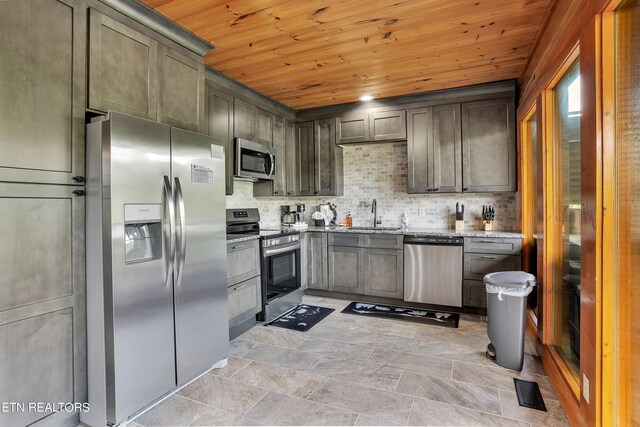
[[157, 313]]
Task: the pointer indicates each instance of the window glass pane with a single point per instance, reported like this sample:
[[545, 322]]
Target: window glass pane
[[567, 199], [627, 208]]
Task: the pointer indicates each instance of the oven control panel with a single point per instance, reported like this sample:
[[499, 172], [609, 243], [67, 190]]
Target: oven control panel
[[276, 241]]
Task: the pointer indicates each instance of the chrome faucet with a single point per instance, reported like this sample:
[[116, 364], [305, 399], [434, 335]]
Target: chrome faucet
[[374, 209]]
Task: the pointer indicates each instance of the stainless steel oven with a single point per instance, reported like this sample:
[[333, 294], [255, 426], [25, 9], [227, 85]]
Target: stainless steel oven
[[281, 277], [254, 161]]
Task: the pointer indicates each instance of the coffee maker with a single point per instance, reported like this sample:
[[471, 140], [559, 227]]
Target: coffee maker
[[292, 213]]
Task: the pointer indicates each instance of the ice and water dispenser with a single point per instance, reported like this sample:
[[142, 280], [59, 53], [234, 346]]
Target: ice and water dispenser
[[142, 232]]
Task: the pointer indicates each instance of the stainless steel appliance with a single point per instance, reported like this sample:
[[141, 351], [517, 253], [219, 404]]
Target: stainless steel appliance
[[433, 270], [281, 262], [156, 263], [254, 161]]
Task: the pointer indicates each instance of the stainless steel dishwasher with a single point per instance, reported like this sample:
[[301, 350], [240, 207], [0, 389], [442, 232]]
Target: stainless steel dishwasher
[[433, 270]]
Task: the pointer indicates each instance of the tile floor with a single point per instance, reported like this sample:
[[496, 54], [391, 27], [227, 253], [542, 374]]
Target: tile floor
[[351, 370]]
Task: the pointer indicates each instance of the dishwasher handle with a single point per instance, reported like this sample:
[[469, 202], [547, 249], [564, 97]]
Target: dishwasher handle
[[433, 240]]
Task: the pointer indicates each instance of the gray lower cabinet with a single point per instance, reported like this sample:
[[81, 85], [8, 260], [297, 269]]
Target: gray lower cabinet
[[353, 128], [489, 145], [42, 299], [388, 126], [180, 89], [434, 150], [244, 120], [346, 269], [42, 94], [245, 300], [243, 261], [483, 255], [219, 124], [384, 272], [317, 263], [243, 281]]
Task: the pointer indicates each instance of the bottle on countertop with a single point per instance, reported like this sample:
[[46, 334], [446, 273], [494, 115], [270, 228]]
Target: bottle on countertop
[[349, 220], [405, 220]]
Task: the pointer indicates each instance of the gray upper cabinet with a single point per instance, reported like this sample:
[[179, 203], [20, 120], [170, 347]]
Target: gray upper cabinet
[[326, 160], [219, 124], [277, 187], [290, 157], [264, 127], [388, 126], [489, 145], [244, 120], [42, 94], [123, 68], [353, 127], [434, 145], [317, 264], [181, 90], [303, 163], [447, 149]]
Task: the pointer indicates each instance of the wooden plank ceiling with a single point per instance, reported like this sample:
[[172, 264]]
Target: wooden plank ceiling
[[311, 53]]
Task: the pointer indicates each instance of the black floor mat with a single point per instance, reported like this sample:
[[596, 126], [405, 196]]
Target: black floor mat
[[417, 315], [529, 394], [302, 318]]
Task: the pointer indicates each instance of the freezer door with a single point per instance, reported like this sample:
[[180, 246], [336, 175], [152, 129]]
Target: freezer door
[[139, 326], [201, 312]]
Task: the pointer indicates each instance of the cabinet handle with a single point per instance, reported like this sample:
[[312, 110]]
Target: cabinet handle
[[79, 192], [436, 189], [429, 190], [465, 188], [489, 257], [275, 192], [288, 193], [79, 179], [487, 241], [315, 192]]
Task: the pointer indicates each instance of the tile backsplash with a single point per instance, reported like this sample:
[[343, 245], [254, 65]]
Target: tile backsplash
[[379, 171]]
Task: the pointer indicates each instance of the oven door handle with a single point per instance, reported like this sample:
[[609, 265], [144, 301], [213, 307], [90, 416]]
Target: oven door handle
[[276, 251]]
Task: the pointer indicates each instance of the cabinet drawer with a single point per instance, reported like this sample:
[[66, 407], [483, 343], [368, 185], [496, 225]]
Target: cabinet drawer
[[474, 294], [488, 245], [385, 241], [243, 261], [245, 300], [476, 266], [346, 239]]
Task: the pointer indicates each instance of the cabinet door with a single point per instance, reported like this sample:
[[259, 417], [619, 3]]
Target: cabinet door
[[42, 298], [476, 266], [489, 145], [291, 159], [346, 269], [279, 145], [388, 125], [303, 164], [42, 90], [353, 127], [181, 90], [419, 151], [219, 112], [245, 301], [243, 261], [317, 265], [325, 157], [474, 293], [244, 120], [447, 149], [384, 273], [264, 127], [123, 65]]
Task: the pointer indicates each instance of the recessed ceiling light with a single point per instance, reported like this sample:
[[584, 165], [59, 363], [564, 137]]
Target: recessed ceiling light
[[366, 98]]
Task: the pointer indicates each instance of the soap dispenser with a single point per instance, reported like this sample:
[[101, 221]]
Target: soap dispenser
[[349, 220]]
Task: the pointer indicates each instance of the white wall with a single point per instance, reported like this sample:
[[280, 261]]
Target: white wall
[[380, 171]]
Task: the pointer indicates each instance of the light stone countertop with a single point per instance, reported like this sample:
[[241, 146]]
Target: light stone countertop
[[418, 231], [242, 239]]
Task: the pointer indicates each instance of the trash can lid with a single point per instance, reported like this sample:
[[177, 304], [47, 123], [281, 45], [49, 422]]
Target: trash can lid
[[510, 279]]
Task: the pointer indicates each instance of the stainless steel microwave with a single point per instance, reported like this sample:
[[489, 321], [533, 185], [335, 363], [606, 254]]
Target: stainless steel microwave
[[254, 161]]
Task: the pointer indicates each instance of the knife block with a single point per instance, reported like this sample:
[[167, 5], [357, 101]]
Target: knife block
[[488, 225], [459, 226]]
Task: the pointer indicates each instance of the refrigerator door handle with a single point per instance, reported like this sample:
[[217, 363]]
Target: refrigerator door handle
[[183, 231], [170, 237]]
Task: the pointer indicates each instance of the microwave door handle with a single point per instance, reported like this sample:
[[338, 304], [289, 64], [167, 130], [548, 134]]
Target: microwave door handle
[[267, 163], [183, 231], [169, 237], [273, 163]]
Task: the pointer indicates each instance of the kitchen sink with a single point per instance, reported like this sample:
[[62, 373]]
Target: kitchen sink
[[375, 228]]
